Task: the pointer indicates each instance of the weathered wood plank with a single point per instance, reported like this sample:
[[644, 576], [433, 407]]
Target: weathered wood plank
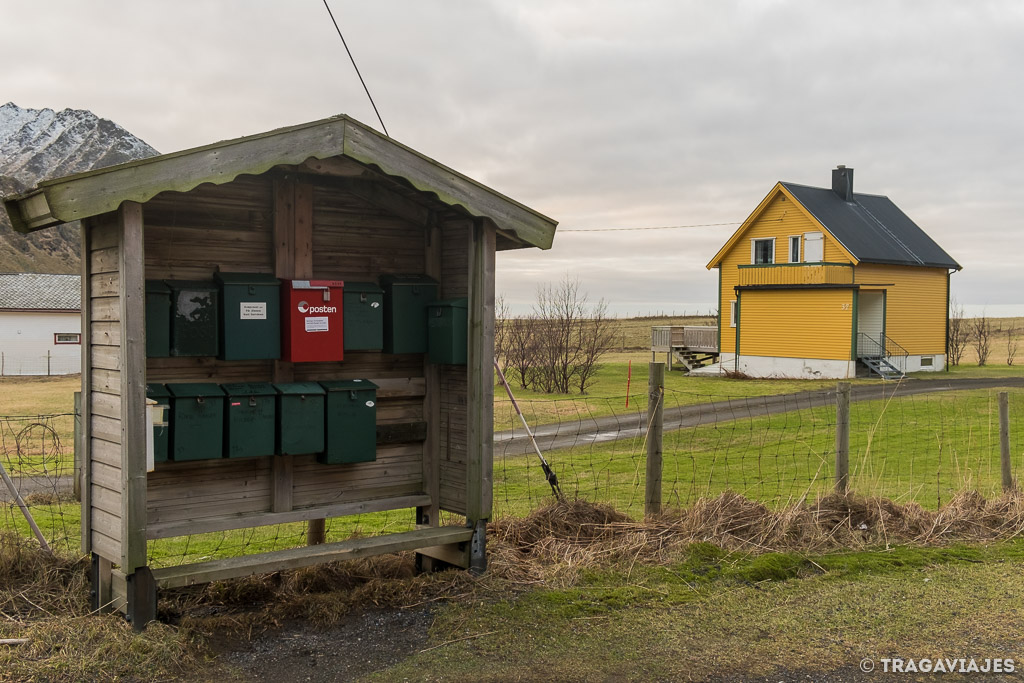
[[106, 476], [132, 297], [184, 528], [106, 428], [104, 545], [106, 381], [107, 405], [103, 260], [105, 333], [105, 452], [105, 309], [103, 357]]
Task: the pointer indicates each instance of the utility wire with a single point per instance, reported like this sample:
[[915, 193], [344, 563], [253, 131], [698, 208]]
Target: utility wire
[[660, 227], [353, 59]]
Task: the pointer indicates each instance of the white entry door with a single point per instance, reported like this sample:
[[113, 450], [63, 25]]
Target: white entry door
[[870, 321]]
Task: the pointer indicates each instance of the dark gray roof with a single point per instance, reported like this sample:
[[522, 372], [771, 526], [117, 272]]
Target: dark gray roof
[[872, 228], [40, 291]]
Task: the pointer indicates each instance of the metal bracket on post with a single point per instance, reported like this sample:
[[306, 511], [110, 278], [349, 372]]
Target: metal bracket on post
[[478, 548], [141, 598], [100, 593]]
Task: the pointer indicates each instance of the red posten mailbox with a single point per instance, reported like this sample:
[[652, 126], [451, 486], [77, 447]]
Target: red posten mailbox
[[313, 311]]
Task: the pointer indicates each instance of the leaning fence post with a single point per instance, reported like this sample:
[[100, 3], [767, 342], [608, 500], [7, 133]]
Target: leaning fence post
[[77, 483], [1004, 440], [842, 437], [655, 420]]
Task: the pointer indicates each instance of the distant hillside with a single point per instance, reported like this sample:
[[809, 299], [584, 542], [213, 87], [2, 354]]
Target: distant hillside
[[39, 144]]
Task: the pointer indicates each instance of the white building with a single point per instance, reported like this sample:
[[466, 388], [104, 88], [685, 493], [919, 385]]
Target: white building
[[40, 324]]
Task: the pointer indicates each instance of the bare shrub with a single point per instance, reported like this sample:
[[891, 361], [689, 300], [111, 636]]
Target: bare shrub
[[520, 350], [571, 337], [1011, 344], [958, 332], [981, 337]]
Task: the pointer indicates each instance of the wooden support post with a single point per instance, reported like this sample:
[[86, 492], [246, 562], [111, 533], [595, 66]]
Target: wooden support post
[[84, 445], [141, 608], [77, 483], [134, 418], [842, 437], [101, 595], [428, 516], [480, 370], [1004, 440], [655, 425]]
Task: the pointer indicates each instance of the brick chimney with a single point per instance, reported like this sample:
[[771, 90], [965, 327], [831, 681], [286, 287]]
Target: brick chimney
[[842, 182]]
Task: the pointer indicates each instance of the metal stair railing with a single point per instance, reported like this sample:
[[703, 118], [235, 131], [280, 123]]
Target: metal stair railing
[[883, 356]]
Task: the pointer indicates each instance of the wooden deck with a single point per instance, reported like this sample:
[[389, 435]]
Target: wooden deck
[[692, 346]]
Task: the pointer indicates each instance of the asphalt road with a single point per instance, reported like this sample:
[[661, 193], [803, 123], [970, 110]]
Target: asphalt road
[[612, 428], [515, 442]]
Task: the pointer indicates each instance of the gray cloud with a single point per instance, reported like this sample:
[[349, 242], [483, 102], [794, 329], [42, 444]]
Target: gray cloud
[[599, 114]]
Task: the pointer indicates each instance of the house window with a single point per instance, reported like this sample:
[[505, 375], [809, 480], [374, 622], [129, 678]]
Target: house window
[[927, 361], [732, 313], [67, 338], [762, 251], [794, 249]]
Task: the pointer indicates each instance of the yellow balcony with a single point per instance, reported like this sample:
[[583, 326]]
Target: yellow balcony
[[795, 274]]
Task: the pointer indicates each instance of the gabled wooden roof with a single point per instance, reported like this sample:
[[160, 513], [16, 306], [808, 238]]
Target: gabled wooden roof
[[869, 229], [92, 193]]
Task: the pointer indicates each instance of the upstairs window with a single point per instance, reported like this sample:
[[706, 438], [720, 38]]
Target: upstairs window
[[762, 251], [794, 249]]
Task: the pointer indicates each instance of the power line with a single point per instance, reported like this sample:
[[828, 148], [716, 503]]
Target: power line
[[353, 59], [659, 227]]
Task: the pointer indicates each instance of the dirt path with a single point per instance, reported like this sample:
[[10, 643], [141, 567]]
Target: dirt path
[[616, 427]]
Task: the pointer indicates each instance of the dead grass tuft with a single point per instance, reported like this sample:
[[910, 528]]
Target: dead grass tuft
[[45, 598]]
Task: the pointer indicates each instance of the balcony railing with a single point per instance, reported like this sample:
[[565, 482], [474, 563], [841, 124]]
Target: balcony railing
[[694, 337], [795, 274]]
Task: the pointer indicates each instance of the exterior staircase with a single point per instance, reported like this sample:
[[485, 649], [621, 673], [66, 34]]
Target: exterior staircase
[[692, 360], [882, 357]]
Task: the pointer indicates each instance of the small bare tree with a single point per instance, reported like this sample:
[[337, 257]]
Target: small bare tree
[[958, 332], [1011, 343], [981, 334], [571, 337], [520, 350]]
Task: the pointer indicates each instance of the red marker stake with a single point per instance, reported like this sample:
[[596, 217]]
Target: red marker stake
[[629, 378]]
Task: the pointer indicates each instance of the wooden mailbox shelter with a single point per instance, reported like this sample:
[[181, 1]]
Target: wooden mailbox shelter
[[332, 199]]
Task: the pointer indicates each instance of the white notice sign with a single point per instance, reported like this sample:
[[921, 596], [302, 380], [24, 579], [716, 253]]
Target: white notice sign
[[316, 324], [254, 310]]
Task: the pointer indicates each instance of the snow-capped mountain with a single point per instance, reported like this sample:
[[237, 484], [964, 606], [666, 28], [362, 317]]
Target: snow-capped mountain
[[39, 144]]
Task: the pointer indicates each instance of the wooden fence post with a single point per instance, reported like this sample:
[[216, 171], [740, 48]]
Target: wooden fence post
[[842, 437], [655, 423], [1004, 440], [77, 483]]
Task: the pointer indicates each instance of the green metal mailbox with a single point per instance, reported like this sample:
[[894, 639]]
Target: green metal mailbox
[[249, 419], [197, 421], [158, 319], [250, 316], [405, 311], [161, 434], [446, 331], [300, 418], [194, 306], [364, 316], [351, 418]]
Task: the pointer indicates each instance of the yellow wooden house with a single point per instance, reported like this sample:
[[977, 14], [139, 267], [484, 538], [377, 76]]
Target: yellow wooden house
[[820, 281]]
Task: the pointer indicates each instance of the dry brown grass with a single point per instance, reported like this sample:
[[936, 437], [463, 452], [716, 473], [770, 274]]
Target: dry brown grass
[[45, 598]]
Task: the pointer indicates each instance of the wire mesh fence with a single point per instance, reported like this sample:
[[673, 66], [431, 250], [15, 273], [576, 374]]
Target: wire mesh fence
[[778, 449]]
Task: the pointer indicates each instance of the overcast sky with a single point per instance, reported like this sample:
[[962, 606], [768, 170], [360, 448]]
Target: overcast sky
[[599, 114]]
